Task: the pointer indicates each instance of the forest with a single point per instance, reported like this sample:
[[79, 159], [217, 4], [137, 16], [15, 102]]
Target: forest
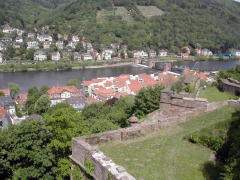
[[210, 24]]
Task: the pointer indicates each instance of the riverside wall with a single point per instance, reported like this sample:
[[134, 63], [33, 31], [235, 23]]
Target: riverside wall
[[173, 110]]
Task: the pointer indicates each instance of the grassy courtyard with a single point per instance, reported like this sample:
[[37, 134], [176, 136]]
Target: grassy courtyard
[[165, 154], [213, 94]]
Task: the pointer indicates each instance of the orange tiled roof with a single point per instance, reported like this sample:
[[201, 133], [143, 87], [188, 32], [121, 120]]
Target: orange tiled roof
[[60, 89], [5, 91]]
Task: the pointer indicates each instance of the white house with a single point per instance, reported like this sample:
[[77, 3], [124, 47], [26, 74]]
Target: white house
[[87, 57], [31, 35], [1, 58], [162, 53], [56, 56], [32, 45], [59, 44], [46, 44], [3, 47], [7, 29], [75, 38], [19, 39], [235, 53], [72, 44], [140, 54], [40, 55], [44, 37], [206, 52]]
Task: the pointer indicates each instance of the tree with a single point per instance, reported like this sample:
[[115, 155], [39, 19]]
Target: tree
[[24, 152], [14, 90], [42, 104], [33, 96], [1, 93], [147, 101], [73, 82]]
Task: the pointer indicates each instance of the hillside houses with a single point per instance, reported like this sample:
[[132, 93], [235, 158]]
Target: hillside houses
[[40, 55], [55, 56]]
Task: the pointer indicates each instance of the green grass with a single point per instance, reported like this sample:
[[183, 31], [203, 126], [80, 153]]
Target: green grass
[[214, 95], [165, 154], [118, 11], [149, 11]]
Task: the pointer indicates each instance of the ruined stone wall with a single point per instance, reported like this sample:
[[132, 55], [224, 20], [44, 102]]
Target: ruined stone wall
[[174, 109], [230, 85]]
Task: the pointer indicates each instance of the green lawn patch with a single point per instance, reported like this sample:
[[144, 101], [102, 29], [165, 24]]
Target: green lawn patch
[[165, 154], [149, 11], [118, 11], [213, 94]]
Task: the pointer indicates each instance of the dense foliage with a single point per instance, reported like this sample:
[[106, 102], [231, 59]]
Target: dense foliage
[[232, 73], [212, 24], [223, 138]]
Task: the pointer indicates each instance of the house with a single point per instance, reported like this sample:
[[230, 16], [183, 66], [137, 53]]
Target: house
[[31, 35], [8, 104], [46, 44], [162, 53], [17, 45], [235, 52], [140, 54], [77, 56], [184, 55], [22, 98], [7, 29], [5, 119], [5, 92], [3, 47], [206, 52], [61, 93], [55, 56], [44, 37], [40, 55], [107, 54], [32, 45], [96, 56], [60, 44], [5, 39], [19, 39], [152, 53], [66, 54], [78, 102], [71, 44], [186, 49], [1, 58], [88, 46], [87, 57], [198, 51], [75, 38]]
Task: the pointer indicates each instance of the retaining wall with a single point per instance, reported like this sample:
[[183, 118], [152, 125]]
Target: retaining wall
[[173, 110]]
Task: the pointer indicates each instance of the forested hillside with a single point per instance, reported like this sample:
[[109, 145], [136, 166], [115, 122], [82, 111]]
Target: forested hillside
[[212, 24]]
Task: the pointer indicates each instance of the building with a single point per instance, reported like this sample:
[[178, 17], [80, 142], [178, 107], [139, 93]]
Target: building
[[55, 56], [87, 57], [19, 39], [152, 53], [235, 52], [186, 49], [5, 92], [78, 102], [75, 38], [3, 47], [8, 104], [31, 35], [7, 29], [40, 55], [140, 54], [5, 119], [61, 93], [60, 44], [32, 45], [206, 52], [77, 56], [46, 44], [1, 58], [162, 53], [44, 37]]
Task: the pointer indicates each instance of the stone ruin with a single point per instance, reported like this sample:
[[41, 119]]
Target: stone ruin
[[173, 109]]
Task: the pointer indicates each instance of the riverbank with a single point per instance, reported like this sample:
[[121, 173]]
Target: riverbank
[[58, 66]]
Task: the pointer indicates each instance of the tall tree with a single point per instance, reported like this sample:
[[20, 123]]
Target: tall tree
[[14, 90]]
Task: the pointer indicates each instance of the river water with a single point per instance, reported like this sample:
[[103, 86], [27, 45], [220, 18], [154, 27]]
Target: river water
[[56, 78]]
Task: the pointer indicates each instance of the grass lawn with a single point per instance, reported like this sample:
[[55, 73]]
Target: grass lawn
[[213, 94], [118, 11], [165, 154], [149, 11]]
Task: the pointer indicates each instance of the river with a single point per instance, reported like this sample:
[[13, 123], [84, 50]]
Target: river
[[56, 78]]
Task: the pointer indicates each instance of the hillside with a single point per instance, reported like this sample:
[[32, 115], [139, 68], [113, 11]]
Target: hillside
[[212, 24]]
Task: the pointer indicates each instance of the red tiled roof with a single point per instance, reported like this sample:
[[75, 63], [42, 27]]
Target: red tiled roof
[[5, 91], [60, 89]]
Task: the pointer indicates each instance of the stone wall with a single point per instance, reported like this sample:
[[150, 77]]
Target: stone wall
[[174, 109], [230, 86]]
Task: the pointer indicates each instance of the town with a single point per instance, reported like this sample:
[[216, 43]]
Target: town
[[46, 44]]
